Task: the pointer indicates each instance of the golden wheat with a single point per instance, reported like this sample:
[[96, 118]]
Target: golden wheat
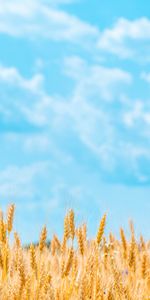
[[97, 269]]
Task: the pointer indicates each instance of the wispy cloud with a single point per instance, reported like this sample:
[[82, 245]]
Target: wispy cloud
[[127, 39], [16, 95], [34, 19], [18, 182], [11, 76], [95, 114], [137, 116], [102, 115], [106, 82]]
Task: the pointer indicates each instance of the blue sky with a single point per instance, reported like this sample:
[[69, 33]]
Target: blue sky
[[75, 113]]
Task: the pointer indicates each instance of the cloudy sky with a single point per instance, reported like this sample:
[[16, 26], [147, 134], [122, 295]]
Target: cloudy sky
[[75, 112]]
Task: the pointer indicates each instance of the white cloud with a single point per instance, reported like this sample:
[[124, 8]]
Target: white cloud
[[133, 114], [94, 114], [85, 112], [24, 98], [137, 116], [104, 81], [99, 109], [121, 37], [133, 154], [19, 181], [21, 99], [11, 76], [96, 87], [34, 19]]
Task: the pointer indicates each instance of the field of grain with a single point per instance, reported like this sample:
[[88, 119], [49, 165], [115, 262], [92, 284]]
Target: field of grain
[[73, 267]]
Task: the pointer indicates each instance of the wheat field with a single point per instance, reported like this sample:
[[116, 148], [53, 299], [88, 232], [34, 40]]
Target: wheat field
[[73, 267]]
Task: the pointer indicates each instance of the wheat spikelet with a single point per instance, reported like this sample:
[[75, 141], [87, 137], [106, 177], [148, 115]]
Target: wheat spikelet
[[57, 242], [47, 282], [17, 240], [1, 259], [21, 273], [63, 246], [144, 266], [72, 225], [142, 243], [69, 262], [131, 225], [118, 285], [105, 251], [74, 266], [5, 259], [82, 290], [62, 267], [2, 231], [33, 258], [28, 288], [43, 237], [131, 257], [124, 243], [111, 242], [80, 242], [53, 247], [66, 227], [84, 231], [101, 229], [10, 216]]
